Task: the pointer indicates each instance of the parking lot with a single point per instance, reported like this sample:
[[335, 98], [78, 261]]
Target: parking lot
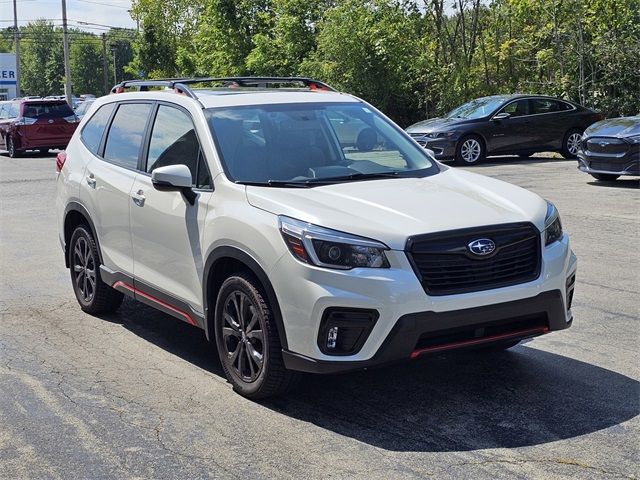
[[139, 394]]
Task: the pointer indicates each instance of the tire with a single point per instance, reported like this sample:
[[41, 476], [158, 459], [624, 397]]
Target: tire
[[470, 150], [571, 143], [94, 296], [605, 177], [43, 150], [499, 347], [11, 148], [242, 310]]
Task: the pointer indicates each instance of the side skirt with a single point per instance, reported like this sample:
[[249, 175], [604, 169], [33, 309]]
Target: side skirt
[[152, 297]]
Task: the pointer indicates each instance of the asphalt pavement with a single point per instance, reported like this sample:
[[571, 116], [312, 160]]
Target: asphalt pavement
[[139, 394]]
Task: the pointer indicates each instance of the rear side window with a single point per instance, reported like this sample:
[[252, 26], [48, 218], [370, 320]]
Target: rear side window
[[545, 106], [174, 142], [46, 110], [92, 132], [126, 133]]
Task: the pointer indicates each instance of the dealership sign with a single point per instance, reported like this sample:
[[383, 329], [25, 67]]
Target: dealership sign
[[8, 76]]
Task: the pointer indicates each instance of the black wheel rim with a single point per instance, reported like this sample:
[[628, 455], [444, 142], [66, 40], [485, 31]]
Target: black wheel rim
[[242, 336], [84, 269]]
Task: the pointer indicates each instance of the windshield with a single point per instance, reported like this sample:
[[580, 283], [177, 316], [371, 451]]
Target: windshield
[[478, 108], [307, 144]]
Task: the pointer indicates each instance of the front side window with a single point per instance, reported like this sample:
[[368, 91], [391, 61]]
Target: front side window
[[174, 142], [92, 132], [517, 109], [126, 133], [306, 144]]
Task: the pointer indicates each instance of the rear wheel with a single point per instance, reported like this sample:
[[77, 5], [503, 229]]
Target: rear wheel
[[11, 147], [571, 144], [470, 150], [93, 295], [605, 177], [247, 340]]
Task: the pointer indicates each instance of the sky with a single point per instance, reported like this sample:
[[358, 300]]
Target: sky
[[105, 13]]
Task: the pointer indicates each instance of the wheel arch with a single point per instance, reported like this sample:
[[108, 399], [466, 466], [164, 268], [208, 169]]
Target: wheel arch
[[76, 214], [223, 261]]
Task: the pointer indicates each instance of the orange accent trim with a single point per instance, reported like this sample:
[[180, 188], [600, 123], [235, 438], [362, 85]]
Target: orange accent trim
[[478, 341], [134, 290]]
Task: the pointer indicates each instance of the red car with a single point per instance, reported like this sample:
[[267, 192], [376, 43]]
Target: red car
[[35, 124]]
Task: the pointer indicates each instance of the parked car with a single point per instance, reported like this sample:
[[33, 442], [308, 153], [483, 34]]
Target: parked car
[[242, 212], [611, 148], [37, 124], [83, 108], [505, 125]]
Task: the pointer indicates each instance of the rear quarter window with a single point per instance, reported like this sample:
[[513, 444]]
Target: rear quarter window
[[93, 130]]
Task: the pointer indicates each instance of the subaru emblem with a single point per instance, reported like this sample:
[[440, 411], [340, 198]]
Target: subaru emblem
[[481, 246]]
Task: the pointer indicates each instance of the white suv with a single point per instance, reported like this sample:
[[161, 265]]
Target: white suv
[[301, 229]]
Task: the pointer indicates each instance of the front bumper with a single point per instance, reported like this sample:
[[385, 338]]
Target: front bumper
[[626, 164], [399, 299], [431, 332], [443, 148]]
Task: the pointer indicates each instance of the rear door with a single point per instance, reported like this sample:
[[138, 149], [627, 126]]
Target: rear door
[[47, 123], [166, 230], [109, 177], [550, 119]]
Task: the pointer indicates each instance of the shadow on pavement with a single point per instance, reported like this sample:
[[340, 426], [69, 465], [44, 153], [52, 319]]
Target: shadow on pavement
[[620, 183], [515, 160], [457, 402]]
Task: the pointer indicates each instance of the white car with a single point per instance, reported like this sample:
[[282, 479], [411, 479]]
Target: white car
[[241, 211]]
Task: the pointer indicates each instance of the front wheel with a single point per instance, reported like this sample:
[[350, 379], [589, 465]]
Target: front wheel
[[571, 144], [11, 147], [605, 177], [93, 295], [470, 150], [247, 340]]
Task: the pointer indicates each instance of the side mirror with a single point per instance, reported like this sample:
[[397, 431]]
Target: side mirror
[[501, 116], [174, 178]]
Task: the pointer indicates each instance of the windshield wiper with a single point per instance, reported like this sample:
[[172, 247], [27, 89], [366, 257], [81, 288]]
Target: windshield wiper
[[354, 176], [277, 183]]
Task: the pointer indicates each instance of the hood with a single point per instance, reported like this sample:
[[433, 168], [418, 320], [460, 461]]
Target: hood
[[435, 125], [615, 127], [392, 210]]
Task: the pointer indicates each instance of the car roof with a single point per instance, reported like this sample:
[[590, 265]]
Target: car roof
[[227, 97], [514, 96]]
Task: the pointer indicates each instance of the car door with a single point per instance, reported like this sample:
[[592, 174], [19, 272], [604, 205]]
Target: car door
[[513, 133], [549, 120], [109, 177], [166, 229], [8, 113]]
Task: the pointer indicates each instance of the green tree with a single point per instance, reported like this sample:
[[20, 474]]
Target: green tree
[[85, 57], [41, 59]]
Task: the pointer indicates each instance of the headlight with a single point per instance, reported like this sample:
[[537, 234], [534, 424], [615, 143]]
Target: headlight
[[552, 225], [441, 134], [329, 248]]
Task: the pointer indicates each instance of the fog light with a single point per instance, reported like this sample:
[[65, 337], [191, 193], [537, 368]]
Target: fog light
[[332, 338]]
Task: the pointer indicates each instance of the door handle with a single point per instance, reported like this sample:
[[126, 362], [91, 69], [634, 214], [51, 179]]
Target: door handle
[[91, 180], [138, 198]]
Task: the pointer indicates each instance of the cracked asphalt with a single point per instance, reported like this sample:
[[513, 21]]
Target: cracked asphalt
[[138, 394]]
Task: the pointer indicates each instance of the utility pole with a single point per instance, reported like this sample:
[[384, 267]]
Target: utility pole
[[65, 41], [114, 49], [16, 42], [105, 68]]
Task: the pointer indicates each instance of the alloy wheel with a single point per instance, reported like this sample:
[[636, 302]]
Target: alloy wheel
[[470, 150], [243, 337], [573, 143], [84, 268]]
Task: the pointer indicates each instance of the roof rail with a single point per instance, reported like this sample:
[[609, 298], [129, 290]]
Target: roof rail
[[182, 84]]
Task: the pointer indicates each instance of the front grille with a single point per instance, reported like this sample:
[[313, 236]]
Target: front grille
[[613, 146], [445, 266]]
